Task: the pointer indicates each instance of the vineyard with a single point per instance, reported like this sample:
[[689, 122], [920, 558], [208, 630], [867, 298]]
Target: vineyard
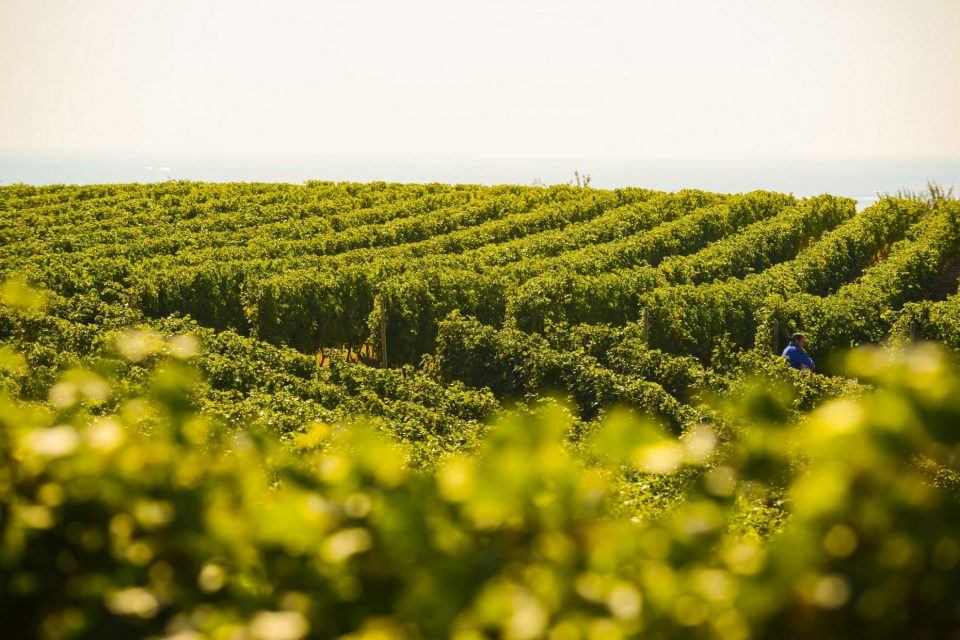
[[276, 411]]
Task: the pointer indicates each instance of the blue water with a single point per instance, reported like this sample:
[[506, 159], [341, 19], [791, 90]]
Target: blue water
[[864, 180]]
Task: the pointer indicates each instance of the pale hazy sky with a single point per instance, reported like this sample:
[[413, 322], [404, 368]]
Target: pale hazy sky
[[520, 78]]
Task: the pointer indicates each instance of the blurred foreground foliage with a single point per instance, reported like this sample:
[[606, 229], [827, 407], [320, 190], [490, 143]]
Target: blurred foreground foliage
[[125, 513]]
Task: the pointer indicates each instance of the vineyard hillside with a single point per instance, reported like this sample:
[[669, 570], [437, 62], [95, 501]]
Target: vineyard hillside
[[426, 410]]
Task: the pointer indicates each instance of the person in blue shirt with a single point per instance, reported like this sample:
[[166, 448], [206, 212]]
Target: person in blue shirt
[[796, 356]]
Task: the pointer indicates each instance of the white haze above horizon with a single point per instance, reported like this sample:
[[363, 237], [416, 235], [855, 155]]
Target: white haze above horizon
[[613, 79]]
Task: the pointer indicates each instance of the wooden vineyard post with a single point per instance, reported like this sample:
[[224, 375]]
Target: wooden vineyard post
[[774, 334], [383, 331], [645, 322], [913, 331]]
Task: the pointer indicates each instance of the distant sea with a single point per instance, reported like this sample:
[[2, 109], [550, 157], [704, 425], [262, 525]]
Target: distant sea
[[863, 179]]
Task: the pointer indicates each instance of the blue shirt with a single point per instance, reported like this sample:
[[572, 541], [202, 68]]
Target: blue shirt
[[797, 357]]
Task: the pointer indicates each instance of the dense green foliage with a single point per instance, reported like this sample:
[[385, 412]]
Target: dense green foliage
[[129, 514], [928, 320], [865, 310], [581, 431]]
